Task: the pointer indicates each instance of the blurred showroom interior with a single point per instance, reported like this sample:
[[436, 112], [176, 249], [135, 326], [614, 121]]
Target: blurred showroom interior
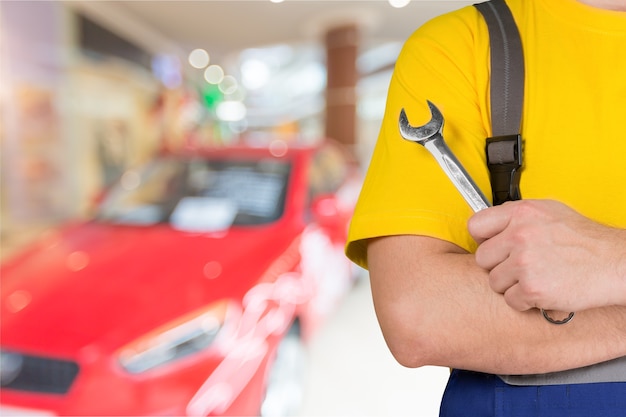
[[91, 88]]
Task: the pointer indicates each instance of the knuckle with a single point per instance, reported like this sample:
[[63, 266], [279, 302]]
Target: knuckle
[[525, 207], [531, 291], [523, 260], [524, 239]]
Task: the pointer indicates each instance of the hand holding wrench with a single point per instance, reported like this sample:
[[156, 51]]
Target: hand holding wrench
[[429, 135]]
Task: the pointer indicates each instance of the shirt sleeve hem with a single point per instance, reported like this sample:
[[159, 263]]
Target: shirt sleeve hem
[[436, 225]]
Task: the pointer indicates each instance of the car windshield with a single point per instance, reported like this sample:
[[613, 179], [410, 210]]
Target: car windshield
[[199, 194]]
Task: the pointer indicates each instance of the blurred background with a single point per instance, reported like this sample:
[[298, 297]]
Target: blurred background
[[89, 89]]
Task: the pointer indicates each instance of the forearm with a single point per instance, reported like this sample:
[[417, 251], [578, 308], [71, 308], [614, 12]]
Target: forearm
[[435, 307], [621, 269]]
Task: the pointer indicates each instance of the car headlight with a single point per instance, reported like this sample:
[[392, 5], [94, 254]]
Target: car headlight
[[10, 366], [176, 340]]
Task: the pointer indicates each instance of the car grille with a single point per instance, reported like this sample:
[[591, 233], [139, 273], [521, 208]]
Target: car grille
[[38, 374]]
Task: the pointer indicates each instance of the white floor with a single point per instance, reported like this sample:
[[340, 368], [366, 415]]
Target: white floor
[[352, 372]]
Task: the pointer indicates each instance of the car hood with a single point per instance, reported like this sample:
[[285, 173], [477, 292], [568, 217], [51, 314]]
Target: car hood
[[97, 285]]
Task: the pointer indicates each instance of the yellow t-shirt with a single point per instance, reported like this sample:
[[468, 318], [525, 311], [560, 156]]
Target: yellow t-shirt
[[574, 121]]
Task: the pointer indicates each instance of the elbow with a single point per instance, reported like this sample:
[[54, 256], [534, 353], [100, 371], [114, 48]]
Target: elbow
[[411, 353], [410, 340], [409, 358]]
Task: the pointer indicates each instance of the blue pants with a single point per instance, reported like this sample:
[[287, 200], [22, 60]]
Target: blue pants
[[473, 394]]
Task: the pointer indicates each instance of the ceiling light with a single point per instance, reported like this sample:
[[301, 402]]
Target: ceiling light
[[399, 3]]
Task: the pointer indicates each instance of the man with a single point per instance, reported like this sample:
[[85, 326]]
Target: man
[[466, 291]]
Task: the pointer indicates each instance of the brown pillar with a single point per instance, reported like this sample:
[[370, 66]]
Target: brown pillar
[[341, 53]]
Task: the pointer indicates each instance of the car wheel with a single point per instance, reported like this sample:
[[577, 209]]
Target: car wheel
[[285, 385]]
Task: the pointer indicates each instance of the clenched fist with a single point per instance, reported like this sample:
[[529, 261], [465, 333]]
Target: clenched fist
[[543, 254]]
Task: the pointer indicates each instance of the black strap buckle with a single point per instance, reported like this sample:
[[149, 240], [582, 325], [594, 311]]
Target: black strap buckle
[[504, 159]]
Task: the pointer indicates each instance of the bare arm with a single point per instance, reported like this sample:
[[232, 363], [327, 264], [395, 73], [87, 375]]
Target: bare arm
[[435, 307]]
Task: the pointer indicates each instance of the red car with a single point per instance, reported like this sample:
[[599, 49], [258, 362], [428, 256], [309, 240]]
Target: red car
[[188, 293]]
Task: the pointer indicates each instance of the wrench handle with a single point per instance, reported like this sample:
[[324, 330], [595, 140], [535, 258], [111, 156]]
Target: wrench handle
[[457, 173]]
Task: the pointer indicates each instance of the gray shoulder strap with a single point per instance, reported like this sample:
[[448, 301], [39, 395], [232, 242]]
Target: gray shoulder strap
[[507, 68], [504, 148]]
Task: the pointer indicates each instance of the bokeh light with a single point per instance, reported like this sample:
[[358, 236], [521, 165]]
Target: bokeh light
[[231, 111], [228, 85], [199, 58], [254, 74], [214, 74]]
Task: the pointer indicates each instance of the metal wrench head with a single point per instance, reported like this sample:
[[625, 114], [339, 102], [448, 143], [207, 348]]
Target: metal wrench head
[[424, 133]]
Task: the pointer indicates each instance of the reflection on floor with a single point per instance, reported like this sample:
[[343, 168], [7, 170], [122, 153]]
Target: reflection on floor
[[352, 373]]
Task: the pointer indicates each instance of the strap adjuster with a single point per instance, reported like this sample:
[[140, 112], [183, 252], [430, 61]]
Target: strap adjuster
[[504, 160]]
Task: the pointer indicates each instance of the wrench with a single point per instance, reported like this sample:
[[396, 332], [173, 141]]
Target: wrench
[[429, 136]]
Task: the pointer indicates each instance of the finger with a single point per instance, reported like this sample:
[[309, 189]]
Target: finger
[[514, 297], [493, 252], [500, 281], [489, 222]]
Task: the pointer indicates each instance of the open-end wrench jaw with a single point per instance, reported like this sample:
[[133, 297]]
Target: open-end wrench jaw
[[423, 133]]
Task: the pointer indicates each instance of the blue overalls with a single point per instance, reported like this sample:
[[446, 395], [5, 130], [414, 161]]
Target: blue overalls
[[474, 394]]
